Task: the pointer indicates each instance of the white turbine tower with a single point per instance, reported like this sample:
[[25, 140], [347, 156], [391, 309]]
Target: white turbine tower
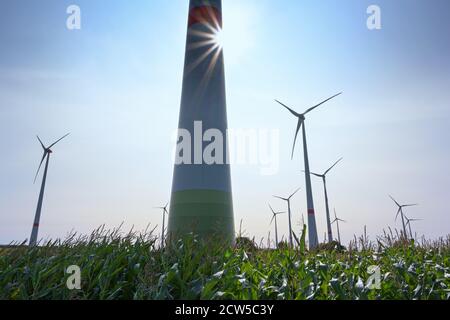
[[37, 217], [288, 200], [165, 212], [274, 219], [400, 212], [202, 199], [312, 227], [324, 179], [337, 220]]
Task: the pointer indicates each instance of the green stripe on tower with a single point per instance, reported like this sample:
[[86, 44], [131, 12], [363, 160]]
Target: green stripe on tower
[[206, 213]]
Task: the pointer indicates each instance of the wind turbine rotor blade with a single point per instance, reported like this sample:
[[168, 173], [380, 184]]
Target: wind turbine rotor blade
[[334, 165], [410, 205], [314, 174], [398, 204], [318, 105], [398, 213], [40, 141], [40, 165], [289, 109], [273, 218], [58, 141], [271, 209], [284, 199], [294, 193], [299, 126]]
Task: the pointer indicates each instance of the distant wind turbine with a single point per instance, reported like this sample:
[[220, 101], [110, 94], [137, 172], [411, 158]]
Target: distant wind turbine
[[337, 220], [288, 200], [274, 219], [165, 212], [37, 217], [312, 227], [400, 212], [324, 179], [408, 223]]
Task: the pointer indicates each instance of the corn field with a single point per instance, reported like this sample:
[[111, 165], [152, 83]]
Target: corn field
[[133, 266]]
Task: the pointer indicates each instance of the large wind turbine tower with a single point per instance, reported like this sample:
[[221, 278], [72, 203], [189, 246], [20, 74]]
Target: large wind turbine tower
[[201, 192], [37, 217]]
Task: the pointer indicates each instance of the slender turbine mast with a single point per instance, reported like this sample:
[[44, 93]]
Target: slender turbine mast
[[201, 200], [337, 220], [37, 217], [288, 200], [408, 223], [274, 219], [324, 179], [400, 212], [163, 236], [312, 227]]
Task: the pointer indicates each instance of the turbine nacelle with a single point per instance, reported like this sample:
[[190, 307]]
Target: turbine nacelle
[[337, 219], [401, 206], [324, 175], [165, 211], [289, 198], [274, 212], [412, 220], [47, 152], [301, 116]]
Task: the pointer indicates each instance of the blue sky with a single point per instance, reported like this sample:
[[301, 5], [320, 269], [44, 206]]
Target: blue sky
[[116, 85]]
